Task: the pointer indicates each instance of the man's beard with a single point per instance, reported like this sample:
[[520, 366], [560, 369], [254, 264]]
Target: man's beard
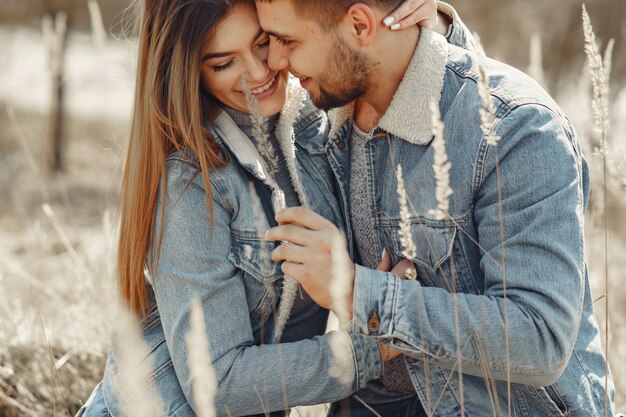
[[346, 77]]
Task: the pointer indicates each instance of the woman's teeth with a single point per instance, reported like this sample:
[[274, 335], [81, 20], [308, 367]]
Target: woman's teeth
[[265, 87]]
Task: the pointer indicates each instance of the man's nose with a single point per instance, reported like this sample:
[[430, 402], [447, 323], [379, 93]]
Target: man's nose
[[278, 59]]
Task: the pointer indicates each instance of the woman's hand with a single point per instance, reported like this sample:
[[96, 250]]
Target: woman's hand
[[412, 12]]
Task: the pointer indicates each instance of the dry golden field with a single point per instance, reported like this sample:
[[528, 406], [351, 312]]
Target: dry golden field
[[58, 233]]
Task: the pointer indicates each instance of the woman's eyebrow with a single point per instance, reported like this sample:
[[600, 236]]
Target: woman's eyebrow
[[226, 53]]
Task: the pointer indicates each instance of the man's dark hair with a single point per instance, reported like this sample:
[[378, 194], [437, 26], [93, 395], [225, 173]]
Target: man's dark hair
[[328, 13]]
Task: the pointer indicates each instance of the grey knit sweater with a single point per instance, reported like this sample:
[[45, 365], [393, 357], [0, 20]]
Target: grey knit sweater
[[307, 318], [395, 383]]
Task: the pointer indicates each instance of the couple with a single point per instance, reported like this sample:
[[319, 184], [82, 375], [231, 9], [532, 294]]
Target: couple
[[498, 318]]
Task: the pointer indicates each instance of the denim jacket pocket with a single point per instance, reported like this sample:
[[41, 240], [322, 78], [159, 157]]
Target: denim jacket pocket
[[252, 257], [433, 247], [550, 396], [545, 397]]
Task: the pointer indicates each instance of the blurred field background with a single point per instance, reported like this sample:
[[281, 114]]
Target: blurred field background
[[57, 227]]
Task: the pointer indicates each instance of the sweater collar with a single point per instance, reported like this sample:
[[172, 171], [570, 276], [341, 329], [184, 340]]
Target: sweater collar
[[408, 116]]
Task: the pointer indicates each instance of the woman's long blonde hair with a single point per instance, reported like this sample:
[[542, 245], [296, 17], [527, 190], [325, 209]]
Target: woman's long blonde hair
[[171, 113]]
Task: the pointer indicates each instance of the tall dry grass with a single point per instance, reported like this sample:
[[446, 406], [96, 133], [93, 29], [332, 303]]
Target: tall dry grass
[[57, 281]]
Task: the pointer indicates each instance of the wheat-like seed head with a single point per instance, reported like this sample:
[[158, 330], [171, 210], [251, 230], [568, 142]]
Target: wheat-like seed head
[[204, 382], [488, 110], [259, 131], [340, 287], [599, 81], [138, 397], [441, 166], [409, 250], [341, 356]]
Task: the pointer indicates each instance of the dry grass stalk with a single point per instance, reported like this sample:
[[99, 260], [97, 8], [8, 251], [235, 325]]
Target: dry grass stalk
[[488, 120], [488, 109], [56, 385], [340, 288], [441, 166], [287, 299], [138, 397], [270, 160], [599, 81], [98, 32], [66, 241], [409, 250], [259, 131], [204, 382], [600, 74], [341, 357], [259, 222], [535, 66]]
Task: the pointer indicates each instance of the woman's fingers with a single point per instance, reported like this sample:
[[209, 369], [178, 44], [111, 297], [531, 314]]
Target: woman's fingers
[[412, 12], [296, 254], [305, 218]]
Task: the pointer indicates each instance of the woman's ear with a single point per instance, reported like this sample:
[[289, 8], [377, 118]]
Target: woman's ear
[[363, 23]]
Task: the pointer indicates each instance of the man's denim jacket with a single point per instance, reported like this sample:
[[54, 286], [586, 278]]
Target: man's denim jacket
[[502, 292]]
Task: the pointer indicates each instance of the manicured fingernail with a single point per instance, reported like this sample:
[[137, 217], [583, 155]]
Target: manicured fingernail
[[395, 27], [388, 20], [382, 255]]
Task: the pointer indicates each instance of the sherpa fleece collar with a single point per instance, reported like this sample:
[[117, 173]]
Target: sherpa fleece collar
[[408, 116], [242, 147]]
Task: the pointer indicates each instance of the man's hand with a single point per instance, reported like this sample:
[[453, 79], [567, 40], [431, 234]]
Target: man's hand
[[315, 254], [412, 12]]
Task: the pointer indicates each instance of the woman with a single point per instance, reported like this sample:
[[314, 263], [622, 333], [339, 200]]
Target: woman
[[190, 215]]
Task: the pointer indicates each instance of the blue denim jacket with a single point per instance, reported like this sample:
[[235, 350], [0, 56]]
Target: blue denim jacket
[[456, 315], [221, 264]]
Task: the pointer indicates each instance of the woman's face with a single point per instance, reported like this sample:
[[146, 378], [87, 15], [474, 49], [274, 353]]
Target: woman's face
[[239, 48]]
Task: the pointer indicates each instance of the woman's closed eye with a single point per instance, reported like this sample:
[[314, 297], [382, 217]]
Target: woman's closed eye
[[264, 44], [222, 67]]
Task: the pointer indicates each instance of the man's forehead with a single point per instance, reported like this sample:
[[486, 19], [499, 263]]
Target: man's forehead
[[280, 18]]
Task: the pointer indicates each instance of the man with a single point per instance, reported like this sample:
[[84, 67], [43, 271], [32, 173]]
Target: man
[[499, 320]]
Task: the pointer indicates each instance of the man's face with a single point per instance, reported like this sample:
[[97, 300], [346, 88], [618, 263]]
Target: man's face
[[328, 68]]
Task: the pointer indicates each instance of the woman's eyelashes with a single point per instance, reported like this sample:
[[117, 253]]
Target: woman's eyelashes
[[217, 68], [222, 67]]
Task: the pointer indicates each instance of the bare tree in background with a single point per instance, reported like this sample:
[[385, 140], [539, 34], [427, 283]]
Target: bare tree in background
[[55, 35]]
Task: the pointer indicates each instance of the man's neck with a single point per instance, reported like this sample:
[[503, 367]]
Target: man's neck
[[396, 50]]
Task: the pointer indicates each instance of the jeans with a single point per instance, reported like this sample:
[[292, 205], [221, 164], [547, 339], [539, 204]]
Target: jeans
[[353, 407]]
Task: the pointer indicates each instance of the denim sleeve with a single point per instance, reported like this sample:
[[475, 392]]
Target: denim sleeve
[[458, 34], [251, 379], [532, 263]]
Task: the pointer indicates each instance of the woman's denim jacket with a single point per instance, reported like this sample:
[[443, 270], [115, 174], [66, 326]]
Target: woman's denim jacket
[[502, 291], [218, 259]]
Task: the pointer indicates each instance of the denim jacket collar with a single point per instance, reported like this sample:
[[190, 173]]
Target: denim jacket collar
[[248, 156], [408, 115]]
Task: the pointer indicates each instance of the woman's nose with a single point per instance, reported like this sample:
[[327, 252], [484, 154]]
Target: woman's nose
[[258, 68]]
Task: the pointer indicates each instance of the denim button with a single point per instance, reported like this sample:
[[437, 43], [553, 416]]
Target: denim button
[[341, 145], [373, 324]]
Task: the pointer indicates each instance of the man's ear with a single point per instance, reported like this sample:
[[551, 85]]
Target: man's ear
[[363, 23]]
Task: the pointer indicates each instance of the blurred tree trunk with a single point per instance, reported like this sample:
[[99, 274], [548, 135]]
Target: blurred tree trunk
[[55, 35]]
